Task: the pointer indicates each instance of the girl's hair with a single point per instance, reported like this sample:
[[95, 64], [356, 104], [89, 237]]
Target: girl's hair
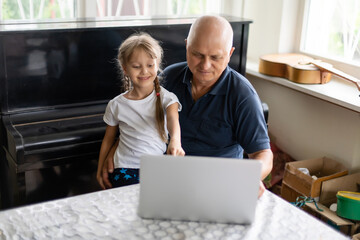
[[153, 48]]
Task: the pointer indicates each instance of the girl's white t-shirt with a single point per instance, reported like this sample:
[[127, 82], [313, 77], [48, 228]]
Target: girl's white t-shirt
[[137, 126]]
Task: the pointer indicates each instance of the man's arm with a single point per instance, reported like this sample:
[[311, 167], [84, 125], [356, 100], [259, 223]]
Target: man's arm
[[105, 151], [266, 158], [108, 166]]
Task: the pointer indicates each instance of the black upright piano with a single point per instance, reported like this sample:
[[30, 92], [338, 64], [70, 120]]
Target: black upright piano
[[55, 82]]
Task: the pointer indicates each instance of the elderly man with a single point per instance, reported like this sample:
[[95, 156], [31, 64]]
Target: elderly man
[[221, 112]]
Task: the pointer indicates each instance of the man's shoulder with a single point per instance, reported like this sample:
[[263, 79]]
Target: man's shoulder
[[239, 82], [235, 75], [176, 67], [172, 74]]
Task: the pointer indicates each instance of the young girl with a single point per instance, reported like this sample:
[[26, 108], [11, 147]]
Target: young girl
[[139, 113]]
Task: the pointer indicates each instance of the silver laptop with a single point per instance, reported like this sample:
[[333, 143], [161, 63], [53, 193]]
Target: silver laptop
[[205, 189]]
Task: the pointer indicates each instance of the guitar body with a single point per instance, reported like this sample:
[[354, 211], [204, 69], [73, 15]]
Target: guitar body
[[294, 67]]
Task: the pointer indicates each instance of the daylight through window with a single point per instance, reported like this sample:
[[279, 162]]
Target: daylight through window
[[332, 30]]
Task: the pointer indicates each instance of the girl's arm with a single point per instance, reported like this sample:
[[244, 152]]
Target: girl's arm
[[106, 145], [173, 126]]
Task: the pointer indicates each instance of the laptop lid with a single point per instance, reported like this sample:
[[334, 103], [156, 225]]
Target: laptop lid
[[207, 189]]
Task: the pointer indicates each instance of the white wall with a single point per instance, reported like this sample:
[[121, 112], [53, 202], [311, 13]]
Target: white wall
[[307, 127], [301, 125], [275, 28]]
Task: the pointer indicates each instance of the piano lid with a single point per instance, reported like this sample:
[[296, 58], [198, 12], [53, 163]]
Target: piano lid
[[46, 69]]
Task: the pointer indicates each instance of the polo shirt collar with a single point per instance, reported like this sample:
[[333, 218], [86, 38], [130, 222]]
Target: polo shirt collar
[[218, 89]]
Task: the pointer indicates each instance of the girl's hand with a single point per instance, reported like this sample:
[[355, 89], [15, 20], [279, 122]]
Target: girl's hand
[[175, 149]]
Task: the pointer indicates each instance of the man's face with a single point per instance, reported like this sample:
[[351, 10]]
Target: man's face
[[207, 58]]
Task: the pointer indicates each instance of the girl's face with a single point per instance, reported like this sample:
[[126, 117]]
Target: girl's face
[[142, 69]]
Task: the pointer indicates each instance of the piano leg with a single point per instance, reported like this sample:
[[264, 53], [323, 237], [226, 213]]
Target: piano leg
[[4, 181], [13, 186], [13, 183], [38, 185]]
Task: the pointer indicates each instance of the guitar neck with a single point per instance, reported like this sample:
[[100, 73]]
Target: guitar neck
[[326, 67]]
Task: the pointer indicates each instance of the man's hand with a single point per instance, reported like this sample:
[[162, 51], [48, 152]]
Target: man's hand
[[102, 174], [99, 179], [261, 189], [108, 167], [266, 158]]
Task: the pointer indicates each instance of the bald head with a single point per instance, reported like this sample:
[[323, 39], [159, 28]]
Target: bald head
[[213, 27]]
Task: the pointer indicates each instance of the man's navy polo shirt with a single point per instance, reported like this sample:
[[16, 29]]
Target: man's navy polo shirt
[[223, 122]]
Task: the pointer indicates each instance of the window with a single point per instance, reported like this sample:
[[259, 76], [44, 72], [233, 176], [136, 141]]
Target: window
[[332, 30], [70, 9], [108, 8], [37, 9]]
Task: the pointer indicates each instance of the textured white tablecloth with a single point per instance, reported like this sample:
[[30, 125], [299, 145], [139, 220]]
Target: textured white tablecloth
[[111, 214]]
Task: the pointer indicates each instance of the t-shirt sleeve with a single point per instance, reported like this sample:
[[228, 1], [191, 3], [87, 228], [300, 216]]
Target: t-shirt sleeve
[[109, 117], [254, 137], [169, 98]]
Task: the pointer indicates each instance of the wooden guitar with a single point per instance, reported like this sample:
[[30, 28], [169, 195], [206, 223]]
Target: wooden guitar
[[301, 69]]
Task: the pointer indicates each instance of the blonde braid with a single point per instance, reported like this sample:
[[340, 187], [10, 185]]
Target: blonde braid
[[160, 119], [125, 84]]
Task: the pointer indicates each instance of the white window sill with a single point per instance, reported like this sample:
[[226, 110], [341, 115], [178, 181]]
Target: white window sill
[[338, 91]]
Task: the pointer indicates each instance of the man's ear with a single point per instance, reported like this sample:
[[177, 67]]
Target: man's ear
[[231, 51]]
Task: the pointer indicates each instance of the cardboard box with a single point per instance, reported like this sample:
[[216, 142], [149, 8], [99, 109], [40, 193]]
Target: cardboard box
[[356, 237], [329, 189], [296, 183], [331, 218]]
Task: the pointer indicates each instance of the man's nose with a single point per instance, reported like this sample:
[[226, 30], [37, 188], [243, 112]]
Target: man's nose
[[206, 63]]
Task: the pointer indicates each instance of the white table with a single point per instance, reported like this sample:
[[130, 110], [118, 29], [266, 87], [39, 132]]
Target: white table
[[111, 214]]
